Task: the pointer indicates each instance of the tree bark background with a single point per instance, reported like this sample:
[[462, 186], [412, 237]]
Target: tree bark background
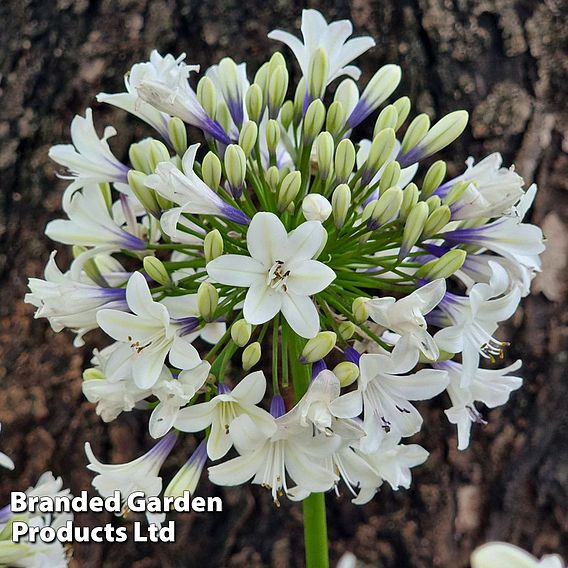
[[505, 61]]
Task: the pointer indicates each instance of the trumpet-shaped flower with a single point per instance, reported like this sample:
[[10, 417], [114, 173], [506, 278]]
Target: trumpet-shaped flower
[[505, 555], [151, 334], [406, 316], [492, 387], [221, 410], [333, 38], [280, 272]]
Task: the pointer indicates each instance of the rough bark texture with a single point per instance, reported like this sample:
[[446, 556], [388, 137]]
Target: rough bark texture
[[505, 61]]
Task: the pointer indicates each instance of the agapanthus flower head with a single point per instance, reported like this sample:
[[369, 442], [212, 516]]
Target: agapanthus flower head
[[359, 279]]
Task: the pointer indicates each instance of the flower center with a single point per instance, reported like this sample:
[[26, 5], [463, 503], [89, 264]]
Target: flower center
[[277, 276]]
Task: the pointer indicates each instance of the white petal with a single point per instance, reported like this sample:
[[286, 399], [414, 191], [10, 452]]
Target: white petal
[[266, 238], [348, 405], [123, 326], [238, 470], [147, 367], [219, 441], [301, 314], [162, 419], [502, 555], [195, 418], [251, 389], [309, 277], [183, 354], [236, 270], [140, 299], [262, 303], [305, 241]]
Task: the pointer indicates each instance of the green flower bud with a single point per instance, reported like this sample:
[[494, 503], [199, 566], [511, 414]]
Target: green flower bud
[[360, 310], [235, 166], [144, 194], [443, 133], [207, 95], [241, 331], [324, 152], [318, 347], [223, 116], [387, 207], [277, 88], [93, 374], [415, 132], [317, 73], [433, 203], [254, 100], [433, 178], [402, 107], [272, 177], [347, 330], [437, 220], [207, 300], [178, 135], [272, 135], [107, 195], [410, 196], [158, 152], [456, 192], [344, 160], [156, 270], [387, 118], [382, 85], [251, 355], [413, 228], [287, 114], [381, 150], [139, 155], [261, 76], [248, 136], [368, 210], [390, 176], [299, 96], [276, 60], [213, 245], [347, 93], [443, 267], [211, 170], [289, 188], [340, 203], [78, 250], [444, 356], [228, 76], [316, 207], [335, 120], [313, 121], [346, 372]]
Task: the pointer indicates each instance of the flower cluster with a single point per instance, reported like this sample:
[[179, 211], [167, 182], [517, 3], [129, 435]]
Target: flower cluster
[[368, 277]]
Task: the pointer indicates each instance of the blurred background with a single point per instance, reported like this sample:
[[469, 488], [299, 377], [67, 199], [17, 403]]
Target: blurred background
[[505, 61]]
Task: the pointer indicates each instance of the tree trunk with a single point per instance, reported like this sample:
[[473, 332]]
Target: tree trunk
[[504, 61]]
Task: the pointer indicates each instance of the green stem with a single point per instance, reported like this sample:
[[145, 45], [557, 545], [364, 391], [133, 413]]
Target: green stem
[[315, 531]]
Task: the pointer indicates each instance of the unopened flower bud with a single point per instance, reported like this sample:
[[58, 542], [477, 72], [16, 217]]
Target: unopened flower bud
[[261, 76], [437, 220], [387, 118], [433, 178], [145, 195], [386, 208], [241, 331], [360, 310], [344, 160], [254, 100], [228, 77], [139, 155], [207, 95], [335, 120], [251, 355], [158, 152], [299, 100], [313, 121], [156, 270], [433, 203], [212, 245], [402, 107], [211, 170], [287, 114], [324, 152], [413, 228], [316, 207], [178, 135], [276, 60], [317, 73], [456, 192], [381, 150], [318, 347], [443, 267], [410, 196], [277, 88], [416, 130], [235, 168], [346, 330], [248, 136], [390, 177], [340, 203], [93, 374], [272, 177], [272, 135], [223, 116], [289, 188], [346, 372], [207, 300]]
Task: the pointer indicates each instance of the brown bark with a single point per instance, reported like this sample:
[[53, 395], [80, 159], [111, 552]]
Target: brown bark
[[505, 61]]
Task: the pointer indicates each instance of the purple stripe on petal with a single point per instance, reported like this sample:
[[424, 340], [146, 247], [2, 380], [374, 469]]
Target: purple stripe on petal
[[5, 514], [131, 242], [236, 110], [163, 447], [410, 157], [352, 355], [187, 325], [361, 111], [307, 101], [199, 456], [372, 197], [216, 130], [277, 407], [437, 250], [234, 214], [318, 367], [224, 389]]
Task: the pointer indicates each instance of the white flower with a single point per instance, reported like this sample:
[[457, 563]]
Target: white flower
[[150, 334], [505, 555], [333, 38], [89, 159], [189, 190], [492, 387], [91, 224], [474, 319], [384, 394], [280, 273], [141, 474], [5, 461], [68, 301], [167, 89], [268, 459], [316, 207], [111, 396], [406, 316], [173, 394], [220, 412]]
